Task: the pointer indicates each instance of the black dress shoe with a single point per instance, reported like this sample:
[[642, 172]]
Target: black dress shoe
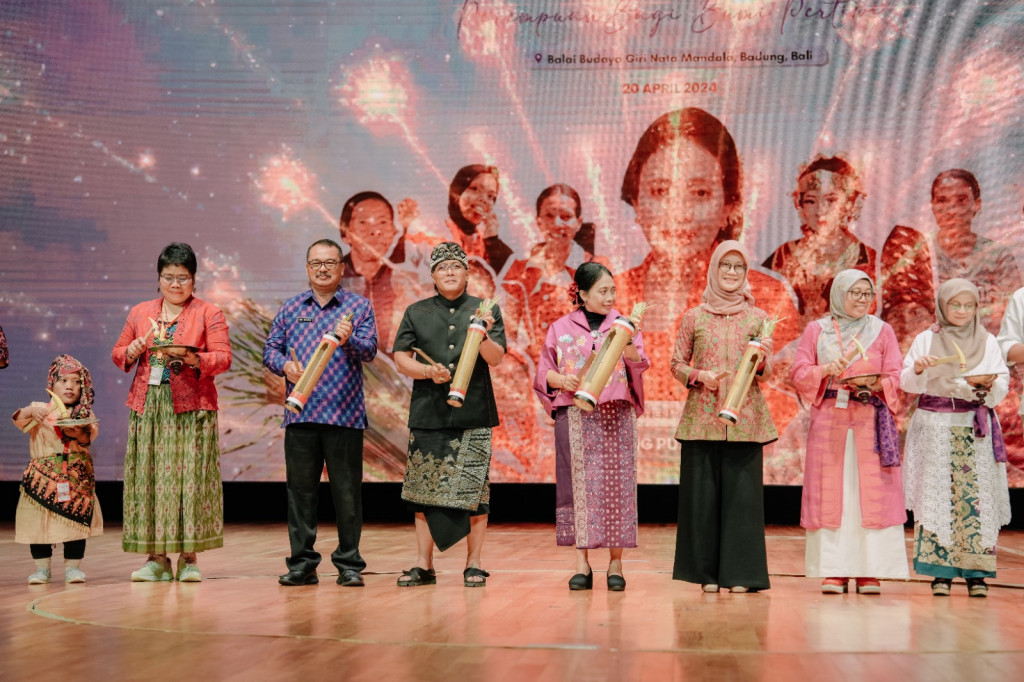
[[350, 578], [616, 583], [294, 578], [582, 582]]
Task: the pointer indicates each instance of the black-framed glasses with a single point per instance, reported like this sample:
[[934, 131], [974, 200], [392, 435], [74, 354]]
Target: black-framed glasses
[[861, 295], [449, 267], [317, 264]]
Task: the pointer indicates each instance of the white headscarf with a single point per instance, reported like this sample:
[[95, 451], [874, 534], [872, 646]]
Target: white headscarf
[[865, 328]]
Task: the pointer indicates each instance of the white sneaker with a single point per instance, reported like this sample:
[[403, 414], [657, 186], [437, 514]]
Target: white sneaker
[[187, 573], [153, 572], [73, 574], [40, 577]]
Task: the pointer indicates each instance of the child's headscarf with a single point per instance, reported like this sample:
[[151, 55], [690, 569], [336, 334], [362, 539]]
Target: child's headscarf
[[65, 364]]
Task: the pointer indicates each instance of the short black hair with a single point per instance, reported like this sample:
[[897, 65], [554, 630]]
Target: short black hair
[[958, 174], [324, 242], [177, 253], [355, 200], [563, 189]]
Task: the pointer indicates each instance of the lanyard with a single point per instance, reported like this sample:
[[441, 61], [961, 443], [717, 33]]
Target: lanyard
[[839, 338]]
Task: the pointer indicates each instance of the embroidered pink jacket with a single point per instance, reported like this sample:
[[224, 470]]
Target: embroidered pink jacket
[[200, 324], [568, 345]]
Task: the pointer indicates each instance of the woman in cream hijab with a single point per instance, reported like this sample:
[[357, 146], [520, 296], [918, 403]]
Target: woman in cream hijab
[[954, 436]]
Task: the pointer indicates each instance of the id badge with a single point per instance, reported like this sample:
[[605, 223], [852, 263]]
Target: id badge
[[842, 398], [63, 491], [155, 374]]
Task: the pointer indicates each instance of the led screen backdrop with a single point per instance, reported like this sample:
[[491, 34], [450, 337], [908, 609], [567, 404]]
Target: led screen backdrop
[[243, 126]]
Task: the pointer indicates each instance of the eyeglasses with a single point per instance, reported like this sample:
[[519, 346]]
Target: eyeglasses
[[861, 295], [449, 267], [965, 307], [739, 268], [180, 279], [317, 264]]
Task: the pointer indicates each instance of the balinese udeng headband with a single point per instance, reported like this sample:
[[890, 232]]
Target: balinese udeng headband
[[447, 251]]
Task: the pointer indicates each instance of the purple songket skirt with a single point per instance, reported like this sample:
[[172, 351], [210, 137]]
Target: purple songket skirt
[[595, 474]]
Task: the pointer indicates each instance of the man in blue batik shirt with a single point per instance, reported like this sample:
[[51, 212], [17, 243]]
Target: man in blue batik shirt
[[330, 427]]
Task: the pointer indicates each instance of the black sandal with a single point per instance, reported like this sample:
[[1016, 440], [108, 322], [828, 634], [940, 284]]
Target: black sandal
[[474, 572], [418, 576]]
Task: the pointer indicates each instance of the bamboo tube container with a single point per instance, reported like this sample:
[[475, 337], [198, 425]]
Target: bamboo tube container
[[741, 383], [311, 375], [601, 369], [475, 335]]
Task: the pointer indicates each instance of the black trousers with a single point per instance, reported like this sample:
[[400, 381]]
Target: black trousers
[[73, 549], [307, 447], [720, 532]]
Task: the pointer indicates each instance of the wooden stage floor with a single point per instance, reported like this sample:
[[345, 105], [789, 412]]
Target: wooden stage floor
[[239, 624]]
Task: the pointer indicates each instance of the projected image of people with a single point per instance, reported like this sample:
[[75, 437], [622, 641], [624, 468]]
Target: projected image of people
[[828, 199], [367, 227], [471, 218], [537, 285], [915, 262]]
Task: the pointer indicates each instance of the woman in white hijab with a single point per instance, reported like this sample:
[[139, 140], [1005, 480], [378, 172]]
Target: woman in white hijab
[[847, 368]]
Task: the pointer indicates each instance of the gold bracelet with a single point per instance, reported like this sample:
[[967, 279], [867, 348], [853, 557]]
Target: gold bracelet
[[424, 371]]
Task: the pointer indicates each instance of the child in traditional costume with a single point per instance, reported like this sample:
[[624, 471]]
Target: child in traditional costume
[[58, 491]]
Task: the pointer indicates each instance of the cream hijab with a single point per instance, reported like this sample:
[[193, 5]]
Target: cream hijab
[[718, 301], [972, 338], [865, 329]]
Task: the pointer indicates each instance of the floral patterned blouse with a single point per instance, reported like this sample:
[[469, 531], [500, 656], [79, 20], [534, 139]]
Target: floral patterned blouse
[[716, 342]]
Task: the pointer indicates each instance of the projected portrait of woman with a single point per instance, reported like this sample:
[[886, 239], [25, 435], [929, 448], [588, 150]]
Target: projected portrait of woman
[[828, 199], [684, 183], [471, 218], [537, 286]]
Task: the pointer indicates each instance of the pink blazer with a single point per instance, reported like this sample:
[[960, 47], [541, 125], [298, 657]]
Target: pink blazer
[[200, 324]]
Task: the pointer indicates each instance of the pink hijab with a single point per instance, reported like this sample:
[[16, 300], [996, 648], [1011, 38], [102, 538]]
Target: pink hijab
[[718, 301]]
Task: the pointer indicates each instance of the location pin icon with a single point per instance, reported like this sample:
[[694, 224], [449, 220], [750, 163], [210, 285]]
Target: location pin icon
[[538, 57]]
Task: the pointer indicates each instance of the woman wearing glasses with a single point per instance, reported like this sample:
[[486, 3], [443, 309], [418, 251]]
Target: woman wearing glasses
[[172, 485], [720, 533], [955, 456], [847, 367]]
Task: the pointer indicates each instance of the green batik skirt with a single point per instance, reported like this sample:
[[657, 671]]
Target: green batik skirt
[[172, 488], [966, 557]]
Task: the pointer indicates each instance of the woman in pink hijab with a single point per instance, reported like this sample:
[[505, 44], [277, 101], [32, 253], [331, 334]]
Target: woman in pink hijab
[[720, 534]]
